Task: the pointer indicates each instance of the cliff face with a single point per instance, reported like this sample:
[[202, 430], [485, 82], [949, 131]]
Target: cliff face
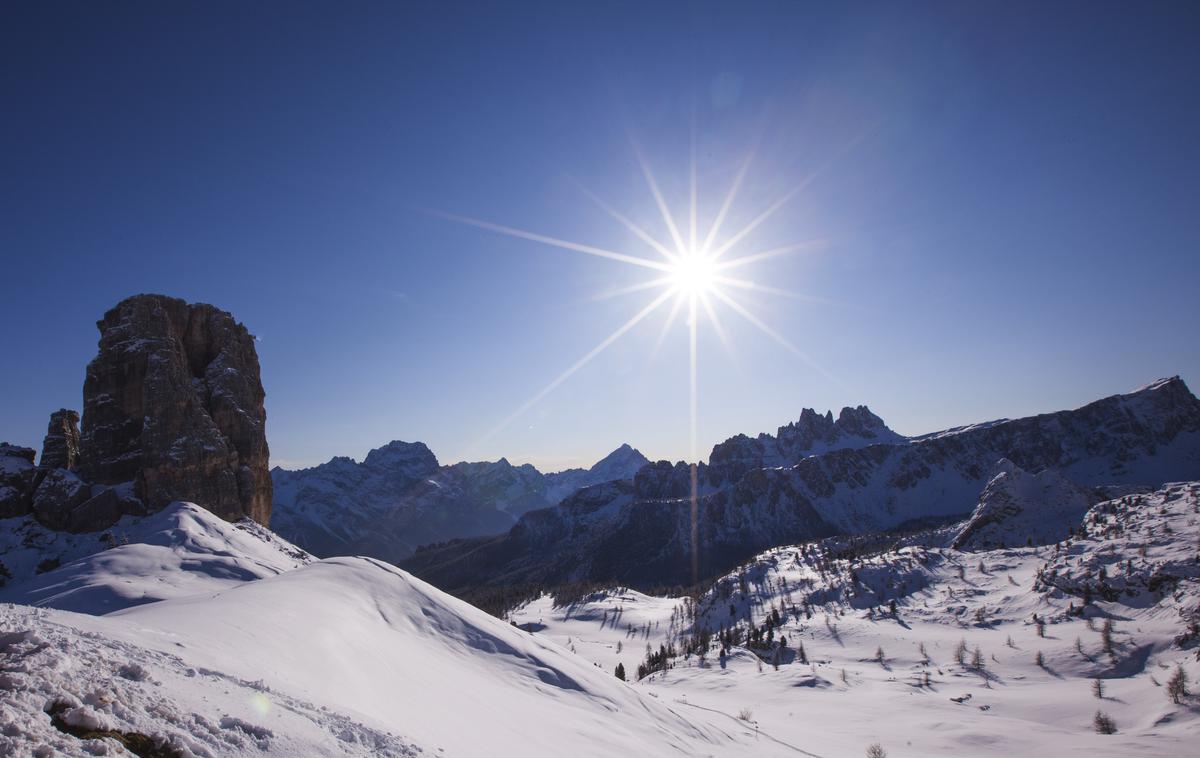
[[173, 402]]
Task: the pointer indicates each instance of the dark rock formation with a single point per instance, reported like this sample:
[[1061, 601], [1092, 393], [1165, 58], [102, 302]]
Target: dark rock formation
[[60, 448], [57, 495], [173, 402], [17, 474]]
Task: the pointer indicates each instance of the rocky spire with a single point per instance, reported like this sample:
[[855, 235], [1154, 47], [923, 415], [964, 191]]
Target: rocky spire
[[173, 402], [60, 448]]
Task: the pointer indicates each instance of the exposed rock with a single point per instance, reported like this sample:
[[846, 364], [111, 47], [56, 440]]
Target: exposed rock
[[58, 494], [17, 474], [60, 448], [173, 402], [812, 434], [1019, 508]]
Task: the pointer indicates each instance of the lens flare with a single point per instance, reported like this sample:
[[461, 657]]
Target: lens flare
[[691, 273]]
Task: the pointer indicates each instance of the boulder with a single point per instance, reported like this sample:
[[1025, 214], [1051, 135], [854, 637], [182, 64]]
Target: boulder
[[174, 403]]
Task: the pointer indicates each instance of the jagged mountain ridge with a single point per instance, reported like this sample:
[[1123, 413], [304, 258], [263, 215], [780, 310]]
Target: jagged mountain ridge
[[400, 497], [639, 533]]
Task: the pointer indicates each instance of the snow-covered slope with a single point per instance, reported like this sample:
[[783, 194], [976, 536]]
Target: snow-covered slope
[[342, 656], [399, 497], [853, 672], [180, 550]]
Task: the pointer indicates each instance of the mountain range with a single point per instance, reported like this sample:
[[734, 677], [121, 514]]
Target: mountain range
[[400, 497], [815, 478]]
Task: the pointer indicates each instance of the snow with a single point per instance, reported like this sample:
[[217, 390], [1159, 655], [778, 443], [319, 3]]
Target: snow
[[345, 655], [227, 641], [180, 550], [1010, 706]]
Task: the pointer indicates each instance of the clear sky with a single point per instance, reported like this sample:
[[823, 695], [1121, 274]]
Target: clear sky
[[1007, 198]]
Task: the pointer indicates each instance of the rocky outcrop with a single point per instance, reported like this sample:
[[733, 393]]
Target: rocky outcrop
[[1019, 508], [173, 402], [60, 448], [17, 474], [812, 434]]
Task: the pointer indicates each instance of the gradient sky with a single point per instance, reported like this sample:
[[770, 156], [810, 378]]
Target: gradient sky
[[1008, 196]]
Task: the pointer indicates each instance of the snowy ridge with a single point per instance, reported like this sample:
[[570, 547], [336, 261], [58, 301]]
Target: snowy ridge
[[388, 666], [180, 550]]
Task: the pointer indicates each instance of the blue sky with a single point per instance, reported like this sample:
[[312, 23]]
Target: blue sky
[[1006, 195]]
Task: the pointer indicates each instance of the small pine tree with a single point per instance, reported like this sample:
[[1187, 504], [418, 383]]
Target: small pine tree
[[1104, 724], [1040, 660], [876, 751], [620, 671], [1079, 647], [1177, 685], [879, 654], [1098, 688], [977, 658], [1106, 636], [960, 652]]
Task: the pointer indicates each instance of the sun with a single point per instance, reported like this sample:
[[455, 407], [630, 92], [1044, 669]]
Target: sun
[[691, 269], [697, 272], [693, 273]]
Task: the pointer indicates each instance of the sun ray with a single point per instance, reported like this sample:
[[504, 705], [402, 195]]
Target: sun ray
[[641, 233], [727, 204], [658, 198], [662, 336], [718, 327], [553, 241], [691, 248], [758, 220], [747, 284], [774, 252], [756, 321], [616, 335], [693, 501], [640, 286]]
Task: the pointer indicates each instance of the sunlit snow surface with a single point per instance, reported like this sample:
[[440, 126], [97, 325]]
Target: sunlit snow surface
[[1011, 707], [346, 655], [352, 656]]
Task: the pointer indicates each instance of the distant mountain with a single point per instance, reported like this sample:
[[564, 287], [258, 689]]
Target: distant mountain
[[818, 478], [400, 497]]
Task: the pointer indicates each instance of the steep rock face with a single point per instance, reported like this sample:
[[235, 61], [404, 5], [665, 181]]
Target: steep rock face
[[399, 498], [1149, 436], [1019, 508], [812, 434], [173, 402], [17, 474], [60, 448]]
